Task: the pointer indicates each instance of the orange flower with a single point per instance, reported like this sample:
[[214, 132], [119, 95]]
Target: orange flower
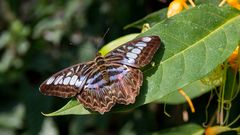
[[233, 3], [177, 6], [233, 60], [215, 130]]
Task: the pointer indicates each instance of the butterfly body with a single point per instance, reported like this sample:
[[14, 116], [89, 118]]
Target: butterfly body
[[100, 61], [107, 80]]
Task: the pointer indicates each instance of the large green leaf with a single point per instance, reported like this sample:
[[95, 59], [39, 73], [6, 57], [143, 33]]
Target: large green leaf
[[193, 44]]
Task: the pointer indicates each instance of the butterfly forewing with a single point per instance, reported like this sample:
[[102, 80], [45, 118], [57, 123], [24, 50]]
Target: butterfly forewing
[[122, 87], [136, 53], [68, 82]]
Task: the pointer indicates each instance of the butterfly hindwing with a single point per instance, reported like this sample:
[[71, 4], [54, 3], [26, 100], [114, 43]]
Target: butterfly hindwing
[[122, 87], [68, 82], [136, 53]]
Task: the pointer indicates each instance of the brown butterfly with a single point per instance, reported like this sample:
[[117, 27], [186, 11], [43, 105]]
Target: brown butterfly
[[107, 80]]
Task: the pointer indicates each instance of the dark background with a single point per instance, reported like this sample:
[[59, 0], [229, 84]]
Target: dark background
[[39, 38]]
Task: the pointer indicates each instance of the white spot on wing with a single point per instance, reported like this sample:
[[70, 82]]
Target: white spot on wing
[[120, 50], [131, 55], [77, 68], [59, 78], [69, 73], [89, 81], [130, 60], [136, 51], [61, 81], [140, 47], [141, 44], [73, 80], [79, 81], [146, 39], [129, 47], [66, 80], [50, 80], [112, 78]]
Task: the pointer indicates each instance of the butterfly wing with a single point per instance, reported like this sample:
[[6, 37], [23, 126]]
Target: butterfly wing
[[136, 53], [68, 82], [122, 87]]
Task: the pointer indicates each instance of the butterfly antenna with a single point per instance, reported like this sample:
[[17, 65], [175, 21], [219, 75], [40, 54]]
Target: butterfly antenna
[[100, 43]]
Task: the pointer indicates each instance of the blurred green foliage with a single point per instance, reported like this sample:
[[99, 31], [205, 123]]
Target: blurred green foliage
[[38, 38]]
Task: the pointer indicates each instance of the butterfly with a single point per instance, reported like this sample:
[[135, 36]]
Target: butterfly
[[107, 80]]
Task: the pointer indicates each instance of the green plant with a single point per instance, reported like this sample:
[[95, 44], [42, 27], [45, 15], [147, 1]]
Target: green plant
[[196, 44]]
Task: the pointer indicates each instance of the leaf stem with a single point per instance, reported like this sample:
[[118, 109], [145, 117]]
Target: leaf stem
[[188, 100]]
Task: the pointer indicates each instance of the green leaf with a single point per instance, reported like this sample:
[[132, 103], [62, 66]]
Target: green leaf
[[213, 2], [193, 44], [110, 46], [193, 90], [13, 119], [5, 38], [54, 28], [187, 129], [72, 107]]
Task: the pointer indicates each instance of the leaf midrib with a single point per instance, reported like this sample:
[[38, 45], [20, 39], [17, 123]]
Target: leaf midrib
[[207, 36]]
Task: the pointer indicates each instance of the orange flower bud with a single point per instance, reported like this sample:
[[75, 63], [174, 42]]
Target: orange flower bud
[[175, 7], [233, 60]]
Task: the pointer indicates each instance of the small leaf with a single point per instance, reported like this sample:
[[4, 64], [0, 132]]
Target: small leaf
[[115, 43], [13, 119], [53, 25], [6, 61], [5, 38]]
